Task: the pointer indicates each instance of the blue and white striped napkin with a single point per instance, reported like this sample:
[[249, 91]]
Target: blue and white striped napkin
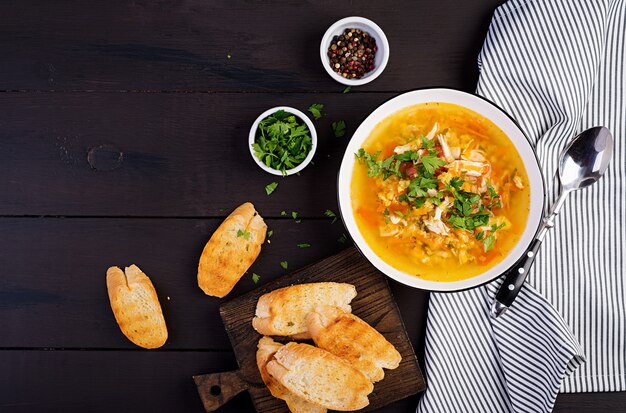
[[558, 67]]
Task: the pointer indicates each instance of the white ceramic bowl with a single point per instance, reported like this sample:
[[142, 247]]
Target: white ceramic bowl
[[304, 118], [489, 111], [354, 22]]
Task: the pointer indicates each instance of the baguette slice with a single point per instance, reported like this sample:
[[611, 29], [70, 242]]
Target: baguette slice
[[320, 377], [347, 336], [282, 312], [136, 307], [232, 249], [266, 350]]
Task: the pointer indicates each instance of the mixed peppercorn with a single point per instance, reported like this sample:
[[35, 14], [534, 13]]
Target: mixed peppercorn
[[352, 53]]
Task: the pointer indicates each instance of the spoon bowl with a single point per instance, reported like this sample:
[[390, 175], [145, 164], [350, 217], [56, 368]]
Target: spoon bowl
[[585, 159]]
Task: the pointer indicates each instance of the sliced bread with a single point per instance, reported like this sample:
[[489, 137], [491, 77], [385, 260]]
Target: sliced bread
[[347, 336], [320, 377], [136, 306], [232, 249], [266, 350], [282, 312]]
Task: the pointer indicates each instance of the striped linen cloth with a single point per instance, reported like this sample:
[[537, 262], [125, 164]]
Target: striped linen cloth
[[558, 67]]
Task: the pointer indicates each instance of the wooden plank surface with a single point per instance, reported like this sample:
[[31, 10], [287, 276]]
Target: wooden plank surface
[[374, 304], [176, 45], [86, 81], [147, 154], [54, 294], [157, 381]]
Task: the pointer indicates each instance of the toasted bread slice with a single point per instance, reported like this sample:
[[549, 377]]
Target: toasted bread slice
[[320, 377], [266, 350], [347, 336], [282, 312], [136, 306], [232, 249]]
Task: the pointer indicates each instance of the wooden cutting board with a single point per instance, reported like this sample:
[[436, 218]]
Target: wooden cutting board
[[374, 303]]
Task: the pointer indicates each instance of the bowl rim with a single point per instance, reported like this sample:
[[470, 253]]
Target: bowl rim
[[384, 49], [304, 118], [468, 283]]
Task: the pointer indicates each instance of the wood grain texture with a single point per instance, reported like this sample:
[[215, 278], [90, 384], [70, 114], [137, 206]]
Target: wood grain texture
[[53, 291], [173, 155], [83, 133], [159, 381], [184, 45], [108, 381], [374, 303]]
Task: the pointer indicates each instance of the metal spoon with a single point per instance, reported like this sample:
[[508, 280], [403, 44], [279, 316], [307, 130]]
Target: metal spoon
[[582, 163]]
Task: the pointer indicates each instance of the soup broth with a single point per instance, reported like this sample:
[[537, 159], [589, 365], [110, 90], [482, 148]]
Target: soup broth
[[440, 192]]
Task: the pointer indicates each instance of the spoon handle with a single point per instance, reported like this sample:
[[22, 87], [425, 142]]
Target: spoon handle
[[514, 280], [514, 277]]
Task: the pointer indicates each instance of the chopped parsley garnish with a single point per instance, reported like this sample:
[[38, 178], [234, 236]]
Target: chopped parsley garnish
[[488, 242], [331, 214], [431, 162], [419, 172], [243, 233], [296, 217], [316, 110], [304, 245], [495, 198], [347, 89], [270, 233], [255, 277], [269, 188], [283, 213], [339, 128], [467, 212], [419, 202], [284, 264], [283, 141], [374, 166], [420, 185], [342, 239]]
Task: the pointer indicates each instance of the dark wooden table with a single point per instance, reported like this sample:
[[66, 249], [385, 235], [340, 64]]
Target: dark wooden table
[[123, 139]]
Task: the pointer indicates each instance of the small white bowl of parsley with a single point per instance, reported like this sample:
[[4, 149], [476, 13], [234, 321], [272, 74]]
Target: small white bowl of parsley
[[282, 141]]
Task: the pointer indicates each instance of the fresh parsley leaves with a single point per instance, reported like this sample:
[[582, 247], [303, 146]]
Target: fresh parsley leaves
[[490, 240], [270, 233], [495, 198], [316, 110], [431, 162], [470, 222], [296, 217], [243, 233], [342, 239], [339, 128], [420, 185], [331, 214], [347, 89], [304, 245], [269, 188], [420, 167], [283, 141], [255, 277], [284, 264], [488, 243]]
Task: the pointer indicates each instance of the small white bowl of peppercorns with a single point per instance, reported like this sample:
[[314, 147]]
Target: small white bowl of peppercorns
[[354, 51]]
